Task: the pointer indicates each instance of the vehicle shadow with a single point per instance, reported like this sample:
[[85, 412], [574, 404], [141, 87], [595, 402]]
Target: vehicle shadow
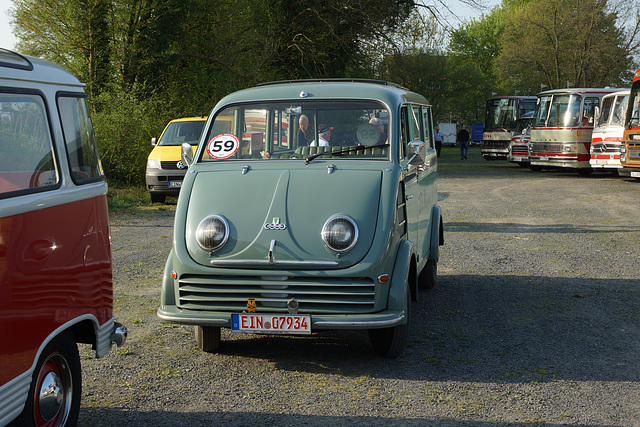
[[99, 417], [485, 329]]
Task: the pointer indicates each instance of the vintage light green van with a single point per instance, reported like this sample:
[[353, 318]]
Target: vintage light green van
[[277, 232]]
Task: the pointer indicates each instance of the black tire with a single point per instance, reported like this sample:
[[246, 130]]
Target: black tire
[[390, 342], [158, 198], [59, 364], [428, 276], [208, 338]]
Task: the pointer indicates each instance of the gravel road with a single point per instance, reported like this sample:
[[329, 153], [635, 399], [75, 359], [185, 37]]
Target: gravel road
[[535, 319]]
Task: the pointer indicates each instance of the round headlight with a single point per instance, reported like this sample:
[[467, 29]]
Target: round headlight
[[212, 233], [340, 233]]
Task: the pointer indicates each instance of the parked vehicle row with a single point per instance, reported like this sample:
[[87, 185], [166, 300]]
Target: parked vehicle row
[[581, 129]]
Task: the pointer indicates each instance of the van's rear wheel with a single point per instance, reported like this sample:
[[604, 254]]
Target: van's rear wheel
[[390, 342], [56, 387], [208, 338]]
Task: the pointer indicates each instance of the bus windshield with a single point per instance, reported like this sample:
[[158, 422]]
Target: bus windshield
[[562, 110], [501, 114]]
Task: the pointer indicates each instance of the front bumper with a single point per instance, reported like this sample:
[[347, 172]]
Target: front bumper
[[383, 319]]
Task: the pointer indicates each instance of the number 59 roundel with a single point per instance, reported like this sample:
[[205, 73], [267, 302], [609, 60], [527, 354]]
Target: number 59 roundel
[[223, 146]]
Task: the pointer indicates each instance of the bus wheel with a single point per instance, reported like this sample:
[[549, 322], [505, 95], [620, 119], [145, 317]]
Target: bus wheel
[[56, 387], [390, 342], [428, 276], [208, 338]]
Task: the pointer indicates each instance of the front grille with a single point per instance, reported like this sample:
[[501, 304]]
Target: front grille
[[546, 147], [490, 144], [520, 150], [604, 148], [172, 165], [314, 294], [634, 153]]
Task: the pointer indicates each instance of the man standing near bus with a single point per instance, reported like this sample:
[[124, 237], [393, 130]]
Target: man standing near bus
[[438, 137], [463, 141]]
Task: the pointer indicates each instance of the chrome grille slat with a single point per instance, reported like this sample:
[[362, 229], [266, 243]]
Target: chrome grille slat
[[314, 295]]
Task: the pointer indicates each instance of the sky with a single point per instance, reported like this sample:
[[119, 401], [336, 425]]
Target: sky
[[8, 41]]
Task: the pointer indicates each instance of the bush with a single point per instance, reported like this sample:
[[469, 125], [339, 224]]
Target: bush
[[124, 127]]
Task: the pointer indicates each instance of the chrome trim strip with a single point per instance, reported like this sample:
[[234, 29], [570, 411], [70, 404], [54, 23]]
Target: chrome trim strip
[[216, 262], [13, 396], [364, 323], [192, 320]]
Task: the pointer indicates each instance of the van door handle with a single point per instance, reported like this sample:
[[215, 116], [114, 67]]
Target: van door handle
[[409, 196]]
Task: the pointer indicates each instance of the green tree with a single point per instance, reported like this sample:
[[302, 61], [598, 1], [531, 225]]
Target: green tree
[[560, 42]]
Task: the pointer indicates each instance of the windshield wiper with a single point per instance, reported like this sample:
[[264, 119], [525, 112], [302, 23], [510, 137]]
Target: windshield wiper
[[341, 152]]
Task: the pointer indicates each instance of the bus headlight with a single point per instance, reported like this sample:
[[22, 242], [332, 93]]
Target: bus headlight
[[566, 147], [623, 148], [212, 233], [340, 233]]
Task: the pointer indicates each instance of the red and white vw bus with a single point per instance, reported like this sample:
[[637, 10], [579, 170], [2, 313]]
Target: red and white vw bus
[[55, 253]]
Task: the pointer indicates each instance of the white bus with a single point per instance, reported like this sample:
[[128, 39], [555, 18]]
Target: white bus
[[607, 133]]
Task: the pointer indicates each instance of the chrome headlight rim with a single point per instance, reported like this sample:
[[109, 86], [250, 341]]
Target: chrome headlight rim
[[325, 232], [202, 224]]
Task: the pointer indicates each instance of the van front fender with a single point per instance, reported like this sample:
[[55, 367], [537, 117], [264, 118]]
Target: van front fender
[[399, 287]]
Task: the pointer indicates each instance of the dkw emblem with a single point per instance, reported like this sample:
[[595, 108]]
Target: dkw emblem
[[275, 225]]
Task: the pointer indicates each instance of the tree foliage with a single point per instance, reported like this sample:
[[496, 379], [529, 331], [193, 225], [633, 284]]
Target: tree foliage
[[564, 41]]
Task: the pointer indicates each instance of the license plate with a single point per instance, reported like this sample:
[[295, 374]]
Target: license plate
[[635, 174], [518, 159], [544, 159], [271, 323], [175, 184]]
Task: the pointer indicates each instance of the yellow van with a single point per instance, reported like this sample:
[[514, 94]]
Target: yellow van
[[165, 170]]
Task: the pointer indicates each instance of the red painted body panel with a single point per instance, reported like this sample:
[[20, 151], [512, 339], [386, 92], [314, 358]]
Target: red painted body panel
[[55, 265]]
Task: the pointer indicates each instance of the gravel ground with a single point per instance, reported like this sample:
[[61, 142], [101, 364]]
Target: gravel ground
[[535, 319]]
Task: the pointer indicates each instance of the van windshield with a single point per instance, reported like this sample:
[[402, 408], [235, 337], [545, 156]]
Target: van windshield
[[286, 131], [178, 133]]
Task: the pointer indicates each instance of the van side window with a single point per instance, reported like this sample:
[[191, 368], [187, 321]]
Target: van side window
[[27, 160], [79, 140], [428, 127], [417, 128]]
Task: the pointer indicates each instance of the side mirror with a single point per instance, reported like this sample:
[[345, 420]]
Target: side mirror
[[154, 141], [417, 152], [187, 153]]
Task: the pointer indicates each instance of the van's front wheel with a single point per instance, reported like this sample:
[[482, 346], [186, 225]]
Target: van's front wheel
[[390, 342], [208, 338], [56, 388]]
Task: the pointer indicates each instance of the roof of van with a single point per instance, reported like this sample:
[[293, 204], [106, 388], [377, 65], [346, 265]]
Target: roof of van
[[319, 89], [15, 66]]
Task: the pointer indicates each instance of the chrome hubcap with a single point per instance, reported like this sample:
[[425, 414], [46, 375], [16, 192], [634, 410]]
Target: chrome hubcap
[[50, 396]]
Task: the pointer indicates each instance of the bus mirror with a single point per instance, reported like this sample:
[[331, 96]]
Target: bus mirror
[[417, 153], [153, 142], [187, 154], [596, 114]]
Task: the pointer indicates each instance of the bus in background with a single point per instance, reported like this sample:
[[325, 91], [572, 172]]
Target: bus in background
[[562, 127], [500, 123], [607, 133], [630, 149]]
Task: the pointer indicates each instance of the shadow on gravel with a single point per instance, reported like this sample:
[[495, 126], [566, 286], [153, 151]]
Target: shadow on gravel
[[209, 419], [472, 328], [502, 227]]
